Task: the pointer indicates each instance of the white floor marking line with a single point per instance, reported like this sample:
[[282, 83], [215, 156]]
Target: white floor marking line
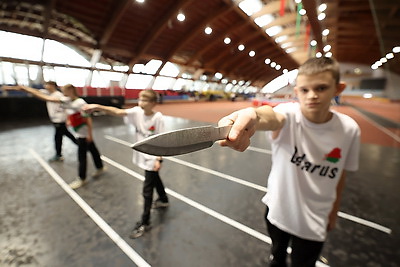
[[216, 173], [260, 150], [202, 208], [259, 187], [365, 222], [386, 131], [128, 250]]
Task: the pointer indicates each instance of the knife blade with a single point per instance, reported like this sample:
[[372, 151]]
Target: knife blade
[[182, 141]]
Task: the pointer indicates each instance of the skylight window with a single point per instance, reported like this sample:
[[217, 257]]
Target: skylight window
[[274, 30], [138, 68], [286, 45], [264, 20], [291, 50], [250, 6], [170, 69], [152, 66], [280, 39]]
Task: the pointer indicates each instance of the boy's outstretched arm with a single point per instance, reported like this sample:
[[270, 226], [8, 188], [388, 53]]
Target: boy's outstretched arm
[[89, 108], [32, 91], [246, 121]]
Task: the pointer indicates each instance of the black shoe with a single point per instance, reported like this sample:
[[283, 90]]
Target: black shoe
[[158, 204], [139, 230]]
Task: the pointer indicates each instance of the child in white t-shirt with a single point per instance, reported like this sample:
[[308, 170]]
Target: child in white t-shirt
[[58, 118], [312, 147], [146, 122], [81, 123]]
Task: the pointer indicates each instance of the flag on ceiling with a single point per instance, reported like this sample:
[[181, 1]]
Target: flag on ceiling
[[282, 9]]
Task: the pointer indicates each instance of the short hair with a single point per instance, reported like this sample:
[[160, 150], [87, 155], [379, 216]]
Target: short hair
[[53, 83], [318, 65], [149, 94], [71, 87]]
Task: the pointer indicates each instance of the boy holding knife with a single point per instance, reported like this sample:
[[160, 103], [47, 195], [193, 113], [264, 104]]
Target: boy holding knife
[[312, 147]]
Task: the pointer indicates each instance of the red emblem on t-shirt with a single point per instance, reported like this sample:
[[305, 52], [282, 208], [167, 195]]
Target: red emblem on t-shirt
[[333, 156]]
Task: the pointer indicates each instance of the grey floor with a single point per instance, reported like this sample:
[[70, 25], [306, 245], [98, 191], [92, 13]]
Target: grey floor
[[215, 217]]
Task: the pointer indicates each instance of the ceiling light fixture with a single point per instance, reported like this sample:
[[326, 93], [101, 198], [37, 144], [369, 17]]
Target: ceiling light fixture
[[389, 55], [181, 17], [322, 7], [241, 47], [327, 48], [325, 32], [313, 43], [227, 40], [208, 30]]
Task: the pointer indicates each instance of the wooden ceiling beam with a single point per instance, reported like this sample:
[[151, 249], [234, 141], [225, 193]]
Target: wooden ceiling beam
[[158, 27], [199, 28], [114, 19], [236, 26]]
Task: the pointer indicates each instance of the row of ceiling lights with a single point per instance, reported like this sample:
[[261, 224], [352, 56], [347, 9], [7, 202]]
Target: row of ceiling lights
[[208, 30], [385, 59]]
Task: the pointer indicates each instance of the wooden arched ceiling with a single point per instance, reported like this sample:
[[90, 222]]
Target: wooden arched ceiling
[[128, 32]]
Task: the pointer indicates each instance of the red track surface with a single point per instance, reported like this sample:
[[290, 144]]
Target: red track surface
[[371, 132]]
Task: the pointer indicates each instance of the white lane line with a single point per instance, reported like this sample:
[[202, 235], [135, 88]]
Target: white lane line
[[365, 222], [386, 131], [260, 150], [202, 208], [259, 187], [216, 173], [128, 250]]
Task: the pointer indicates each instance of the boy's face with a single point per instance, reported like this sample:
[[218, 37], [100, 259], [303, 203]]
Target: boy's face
[[316, 91], [66, 91], [146, 104]]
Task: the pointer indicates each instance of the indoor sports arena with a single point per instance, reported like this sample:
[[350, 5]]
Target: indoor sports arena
[[269, 133]]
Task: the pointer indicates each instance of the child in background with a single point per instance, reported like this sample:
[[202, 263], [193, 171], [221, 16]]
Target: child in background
[[146, 122], [81, 123]]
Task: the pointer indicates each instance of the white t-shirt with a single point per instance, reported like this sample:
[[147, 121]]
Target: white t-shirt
[[76, 118], [307, 163], [145, 126], [55, 110]]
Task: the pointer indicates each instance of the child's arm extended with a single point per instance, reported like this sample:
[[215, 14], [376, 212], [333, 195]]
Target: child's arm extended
[[36, 93], [89, 108], [246, 121]]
